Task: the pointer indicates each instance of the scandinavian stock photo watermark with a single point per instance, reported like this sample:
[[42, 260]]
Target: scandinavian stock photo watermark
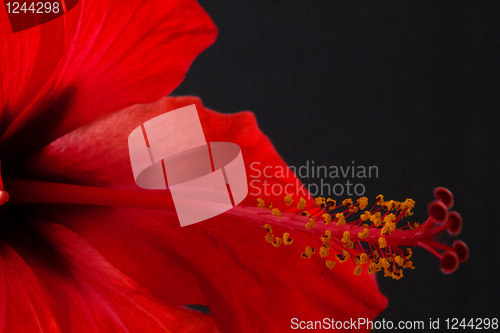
[[318, 180], [434, 324]]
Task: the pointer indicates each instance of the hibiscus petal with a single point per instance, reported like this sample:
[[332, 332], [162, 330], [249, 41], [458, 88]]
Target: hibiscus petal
[[19, 286], [135, 244], [83, 291], [248, 285], [28, 59], [98, 155], [115, 54]]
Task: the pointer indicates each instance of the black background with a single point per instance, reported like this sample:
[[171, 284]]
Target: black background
[[411, 87]]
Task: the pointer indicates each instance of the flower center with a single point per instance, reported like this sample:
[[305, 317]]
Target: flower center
[[370, 238], [22, 191]]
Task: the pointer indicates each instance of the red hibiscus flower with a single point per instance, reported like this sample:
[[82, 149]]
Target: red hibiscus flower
[[84, 249], [223, 262]]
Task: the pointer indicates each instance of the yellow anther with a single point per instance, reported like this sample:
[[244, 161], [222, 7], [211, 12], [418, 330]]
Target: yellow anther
[[320, 201], [301, 204], [375, 218], [358, 270], [332, 203], [341, 219], [305, 213], [308, 252], [363, 202], [276, 212], [384, 230], [365, 216], [342, 257], [382, 243], [409, 264], [330, 264], [260, 203], [353, 209], [413, 225], [385, 263], [326, 238], [391, 227], [277, 242], [387, 228], [364, 234], [389, 218], [380, 199], [288, 200], [311, 224], [400, 261], [269, 238], [323, 252], [270, 206], [371, 268], [328, 218], [286, 239], [397, 274], [346, 237], [362, 258], [269, 228], [410, 253], [389, 205], [374, 267], [408, 204], [347, 202]]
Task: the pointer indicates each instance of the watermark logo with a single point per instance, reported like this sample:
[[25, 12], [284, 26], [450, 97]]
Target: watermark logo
[[170, 151], [29, 14], [318, 180]]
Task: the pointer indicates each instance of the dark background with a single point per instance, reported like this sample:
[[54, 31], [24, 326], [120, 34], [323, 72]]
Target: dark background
[[412, 87]]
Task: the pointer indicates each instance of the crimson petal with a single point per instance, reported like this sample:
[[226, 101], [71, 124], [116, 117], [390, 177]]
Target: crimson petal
[[70, 287], [115, 54], [19, 286]]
